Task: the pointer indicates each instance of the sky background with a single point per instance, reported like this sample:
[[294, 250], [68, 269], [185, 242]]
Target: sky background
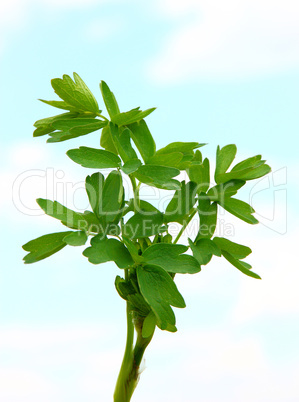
[[219, 73]]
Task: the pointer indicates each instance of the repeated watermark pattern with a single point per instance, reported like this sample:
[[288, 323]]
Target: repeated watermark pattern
[[272, 187]]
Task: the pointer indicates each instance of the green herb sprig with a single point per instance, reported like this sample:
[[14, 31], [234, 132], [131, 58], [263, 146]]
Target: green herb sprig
[[148, 255]]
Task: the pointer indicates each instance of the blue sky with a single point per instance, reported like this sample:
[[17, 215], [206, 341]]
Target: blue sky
[[218, 73]]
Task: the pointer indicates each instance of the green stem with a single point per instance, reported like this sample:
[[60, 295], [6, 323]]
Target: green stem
[[132, 375], [136, 193], [186, 223], [141, 345], [121, 388], [103, 117], [129, 373]]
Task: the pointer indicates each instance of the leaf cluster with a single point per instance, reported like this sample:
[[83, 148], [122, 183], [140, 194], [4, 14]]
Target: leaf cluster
[[141, 244]]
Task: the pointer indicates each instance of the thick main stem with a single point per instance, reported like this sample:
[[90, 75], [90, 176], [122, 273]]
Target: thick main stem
[[121, 393], [129, 372]]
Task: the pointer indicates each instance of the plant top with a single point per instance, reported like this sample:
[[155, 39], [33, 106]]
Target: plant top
[[131, 231]]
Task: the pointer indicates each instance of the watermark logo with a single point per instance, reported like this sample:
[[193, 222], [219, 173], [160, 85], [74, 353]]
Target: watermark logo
[[268, 197]]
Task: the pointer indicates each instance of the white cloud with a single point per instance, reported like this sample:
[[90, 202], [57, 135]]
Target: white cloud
[[230, 39], [20, 384], [58, 363], [13, 14], [23, 155], [16, 14], [34, 171], [214, 365], [101, 29], [74, 363], [277, 293], [70, 3], [28, 338]]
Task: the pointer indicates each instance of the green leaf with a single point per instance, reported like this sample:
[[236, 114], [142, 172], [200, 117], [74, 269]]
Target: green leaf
[[106, 140], [159, 291], [200, 174], [76, 238], [131, 166], [103, 250], [249, 173], [180, 205], [112, 202], [197, 157], [106, 198], [125, 144], [94, 187], [45, 126], [224, 158], [149, 325], [75, 93], [139, 304], [72, 128], [257, 172], [94, 158], [143, 225], [167, 238], [208, 217], [183, 147], [172, 159], [118, 253], [143, 139], [109, 99], [240, 265], [44, 246], [249, 169], [228, 189], [158, 176], [122, 141], [240, 209], [133, 248], [60, 105], [97, 253], [203, 250], [170, 328], [186, 161], [238, 251], [112, 228], [145, 207], [253, 161], [68, 124], [69, 218], [133, 116], [124, 287], [163, 185], [168, 257]]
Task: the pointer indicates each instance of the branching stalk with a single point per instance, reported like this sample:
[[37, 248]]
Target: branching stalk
[[136, 193], [186, 223]]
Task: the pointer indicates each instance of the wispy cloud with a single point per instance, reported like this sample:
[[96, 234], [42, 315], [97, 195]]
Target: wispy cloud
[[73, 363], [101, 29], [226, 40], [57, 363], [15, 15]]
